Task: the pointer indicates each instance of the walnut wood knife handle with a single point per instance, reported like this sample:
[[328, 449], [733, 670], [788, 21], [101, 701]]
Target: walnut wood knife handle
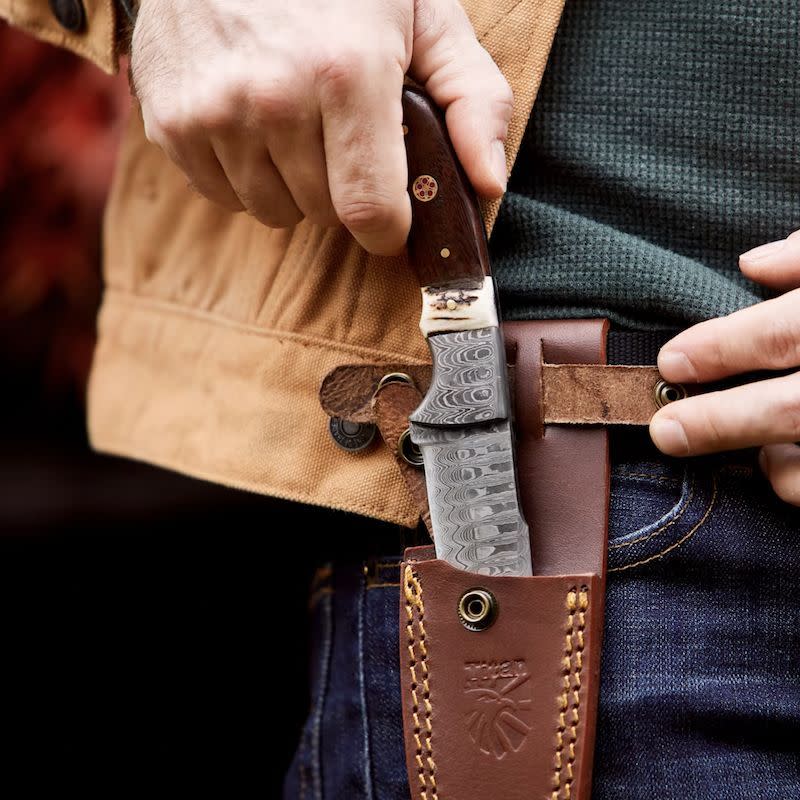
[[447, 244]]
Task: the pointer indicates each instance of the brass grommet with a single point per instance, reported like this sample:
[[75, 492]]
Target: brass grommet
[[393, 377], [408, 451], [666, 393], [477, 609]]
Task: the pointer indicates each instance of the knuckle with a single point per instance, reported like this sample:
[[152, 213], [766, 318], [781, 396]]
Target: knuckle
[[219, 101], [167, 124], [274, 101], [505, 103], [339, 73], [789, 409], [713, 434], [213, 112], [710, 349], [365, 212], [501, 92], [782, 342]]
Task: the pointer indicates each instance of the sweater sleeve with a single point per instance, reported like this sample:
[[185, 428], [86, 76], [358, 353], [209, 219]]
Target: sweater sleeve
[[94, 29]]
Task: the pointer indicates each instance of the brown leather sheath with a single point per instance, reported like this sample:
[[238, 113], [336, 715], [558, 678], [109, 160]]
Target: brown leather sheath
[[509, 712]]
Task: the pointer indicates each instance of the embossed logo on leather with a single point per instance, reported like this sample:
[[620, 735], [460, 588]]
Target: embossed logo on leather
[[500, 716]]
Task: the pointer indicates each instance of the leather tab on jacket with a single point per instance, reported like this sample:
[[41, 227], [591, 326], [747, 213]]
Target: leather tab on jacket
[[392, 405]]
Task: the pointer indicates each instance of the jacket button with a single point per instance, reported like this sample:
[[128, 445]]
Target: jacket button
[[352, 436], [70, 14]]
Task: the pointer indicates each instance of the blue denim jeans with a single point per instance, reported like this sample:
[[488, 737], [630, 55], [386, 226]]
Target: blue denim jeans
[[700, 678]]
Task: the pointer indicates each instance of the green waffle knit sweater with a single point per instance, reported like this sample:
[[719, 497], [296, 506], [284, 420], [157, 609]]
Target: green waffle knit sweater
[[665, 141]]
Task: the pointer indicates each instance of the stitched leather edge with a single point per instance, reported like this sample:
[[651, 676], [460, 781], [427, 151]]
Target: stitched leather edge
[[415, 613]]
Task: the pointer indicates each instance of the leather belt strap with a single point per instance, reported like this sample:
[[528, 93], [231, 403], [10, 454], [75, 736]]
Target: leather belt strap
[[571, 393], [625, 392], [510, 711]]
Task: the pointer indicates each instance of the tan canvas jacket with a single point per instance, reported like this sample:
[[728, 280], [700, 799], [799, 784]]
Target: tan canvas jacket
[[215, 332]]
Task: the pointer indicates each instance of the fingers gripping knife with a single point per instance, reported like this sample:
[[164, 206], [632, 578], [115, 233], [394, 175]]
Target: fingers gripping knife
[[462, 426]]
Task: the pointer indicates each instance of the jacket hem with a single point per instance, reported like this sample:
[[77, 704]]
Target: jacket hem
[[257, 425]]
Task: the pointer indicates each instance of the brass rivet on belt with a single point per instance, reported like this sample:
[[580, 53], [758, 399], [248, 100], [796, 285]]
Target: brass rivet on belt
[[393, 377], [477, 609], [351, 436], [445, 252], [666, 393], [408, 451]]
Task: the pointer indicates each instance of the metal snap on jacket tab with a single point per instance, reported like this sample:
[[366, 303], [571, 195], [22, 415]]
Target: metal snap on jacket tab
[[477, 609], [408, 451], [351, 436], [666, 392], [393, 377]]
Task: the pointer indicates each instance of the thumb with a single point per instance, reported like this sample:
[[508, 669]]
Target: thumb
[[462, 79]]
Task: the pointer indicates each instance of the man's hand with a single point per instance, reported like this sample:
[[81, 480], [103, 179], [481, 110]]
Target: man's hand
[[763, 336], [292, 108]]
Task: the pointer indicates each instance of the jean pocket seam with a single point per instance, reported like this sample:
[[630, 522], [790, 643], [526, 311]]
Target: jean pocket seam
[[682, 506], [685, 538]]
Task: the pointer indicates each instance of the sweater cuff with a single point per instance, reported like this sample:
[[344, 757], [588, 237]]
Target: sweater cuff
[[93, 29]]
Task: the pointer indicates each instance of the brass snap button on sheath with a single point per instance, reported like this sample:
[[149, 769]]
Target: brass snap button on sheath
[[477, 609], [351, 436], [70, 14], [666, 392]]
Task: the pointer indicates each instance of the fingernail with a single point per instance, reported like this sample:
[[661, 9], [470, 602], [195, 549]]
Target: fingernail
[[763, 252], [669, 437], [675, 366], [499, 163]]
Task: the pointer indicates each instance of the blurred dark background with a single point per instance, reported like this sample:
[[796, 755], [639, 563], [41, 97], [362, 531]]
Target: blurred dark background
[[139, 609]]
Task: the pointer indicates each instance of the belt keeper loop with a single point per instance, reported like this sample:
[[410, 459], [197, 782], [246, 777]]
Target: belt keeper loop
[[528, 417]]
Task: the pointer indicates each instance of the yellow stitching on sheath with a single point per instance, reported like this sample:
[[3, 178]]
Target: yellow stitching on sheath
[[413, 593], [415, 704], [381, 585], [680, 541], [666, 525], [571, 665]]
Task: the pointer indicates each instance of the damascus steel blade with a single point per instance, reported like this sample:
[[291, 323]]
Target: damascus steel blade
[[472, 493], [463, 431], [468, 383]]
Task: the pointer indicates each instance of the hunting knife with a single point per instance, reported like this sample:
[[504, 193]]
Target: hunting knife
[[463, 424]]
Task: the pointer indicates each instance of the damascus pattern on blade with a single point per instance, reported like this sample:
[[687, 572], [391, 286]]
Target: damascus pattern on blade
[[468, 383], [473, 498]]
